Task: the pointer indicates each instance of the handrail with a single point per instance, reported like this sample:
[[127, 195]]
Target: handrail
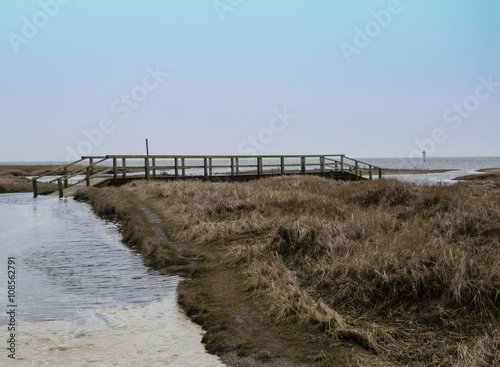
[[55, 170], [217, 165], [75, 173]]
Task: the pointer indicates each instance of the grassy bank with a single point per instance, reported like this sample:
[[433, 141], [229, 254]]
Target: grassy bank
[[405, 275]]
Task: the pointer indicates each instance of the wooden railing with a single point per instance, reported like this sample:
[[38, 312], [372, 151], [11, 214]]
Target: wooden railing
[[118, 167]]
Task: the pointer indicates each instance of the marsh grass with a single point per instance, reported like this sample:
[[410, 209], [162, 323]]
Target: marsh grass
[[410, 273]]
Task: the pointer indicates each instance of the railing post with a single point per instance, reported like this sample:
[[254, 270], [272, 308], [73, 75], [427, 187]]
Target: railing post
[[35, 189], [210, 167], [282, 165], [124, 167], [88, 176], [115, 172], [322, 164], [146, 168], [371, 176], [154, 166], [232, 166], [205, 167], [303, 165], [342, 164], [356, 171], [259, 166], [237, 166], [65, 178], [380, 173], [176, 164], [91, 162], [183, 162], [60, 187]]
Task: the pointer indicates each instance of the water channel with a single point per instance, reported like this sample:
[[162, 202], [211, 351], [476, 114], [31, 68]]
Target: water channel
[[82, 298]]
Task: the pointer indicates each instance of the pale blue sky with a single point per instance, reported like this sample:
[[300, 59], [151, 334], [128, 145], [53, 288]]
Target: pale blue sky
[[67, 67]]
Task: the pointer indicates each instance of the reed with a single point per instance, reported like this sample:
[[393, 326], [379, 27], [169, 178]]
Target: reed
[[409, 273]]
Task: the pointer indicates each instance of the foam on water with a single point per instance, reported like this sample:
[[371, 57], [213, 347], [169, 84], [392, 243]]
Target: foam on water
[[155, 335]]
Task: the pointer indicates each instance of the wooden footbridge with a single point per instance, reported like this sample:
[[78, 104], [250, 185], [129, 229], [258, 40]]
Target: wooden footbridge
[[118, 169]]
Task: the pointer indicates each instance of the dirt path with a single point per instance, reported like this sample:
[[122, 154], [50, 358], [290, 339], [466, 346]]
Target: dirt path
[[250, 339]]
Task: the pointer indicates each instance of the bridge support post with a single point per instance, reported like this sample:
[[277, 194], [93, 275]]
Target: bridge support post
[[115, 172], [146, 167], [60, 187], [124, 167], [35, 189], [91, 163], [65, 178], [88, 176]]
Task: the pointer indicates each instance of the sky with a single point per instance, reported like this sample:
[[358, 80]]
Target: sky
[[361, 78]]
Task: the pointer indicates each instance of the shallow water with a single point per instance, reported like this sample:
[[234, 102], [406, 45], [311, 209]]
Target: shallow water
[[84, 298]]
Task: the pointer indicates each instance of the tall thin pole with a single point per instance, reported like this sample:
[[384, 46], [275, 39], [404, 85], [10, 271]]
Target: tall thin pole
[[147, 160]]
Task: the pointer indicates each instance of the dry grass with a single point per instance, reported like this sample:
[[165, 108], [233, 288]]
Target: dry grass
[[13, 178], [410, 273]]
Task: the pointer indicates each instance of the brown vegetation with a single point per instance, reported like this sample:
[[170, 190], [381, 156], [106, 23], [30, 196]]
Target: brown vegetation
[[13, 178], [409, 273]]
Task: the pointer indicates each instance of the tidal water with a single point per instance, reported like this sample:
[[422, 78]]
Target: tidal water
[[456, 167], [434, 163], [82, 298]]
